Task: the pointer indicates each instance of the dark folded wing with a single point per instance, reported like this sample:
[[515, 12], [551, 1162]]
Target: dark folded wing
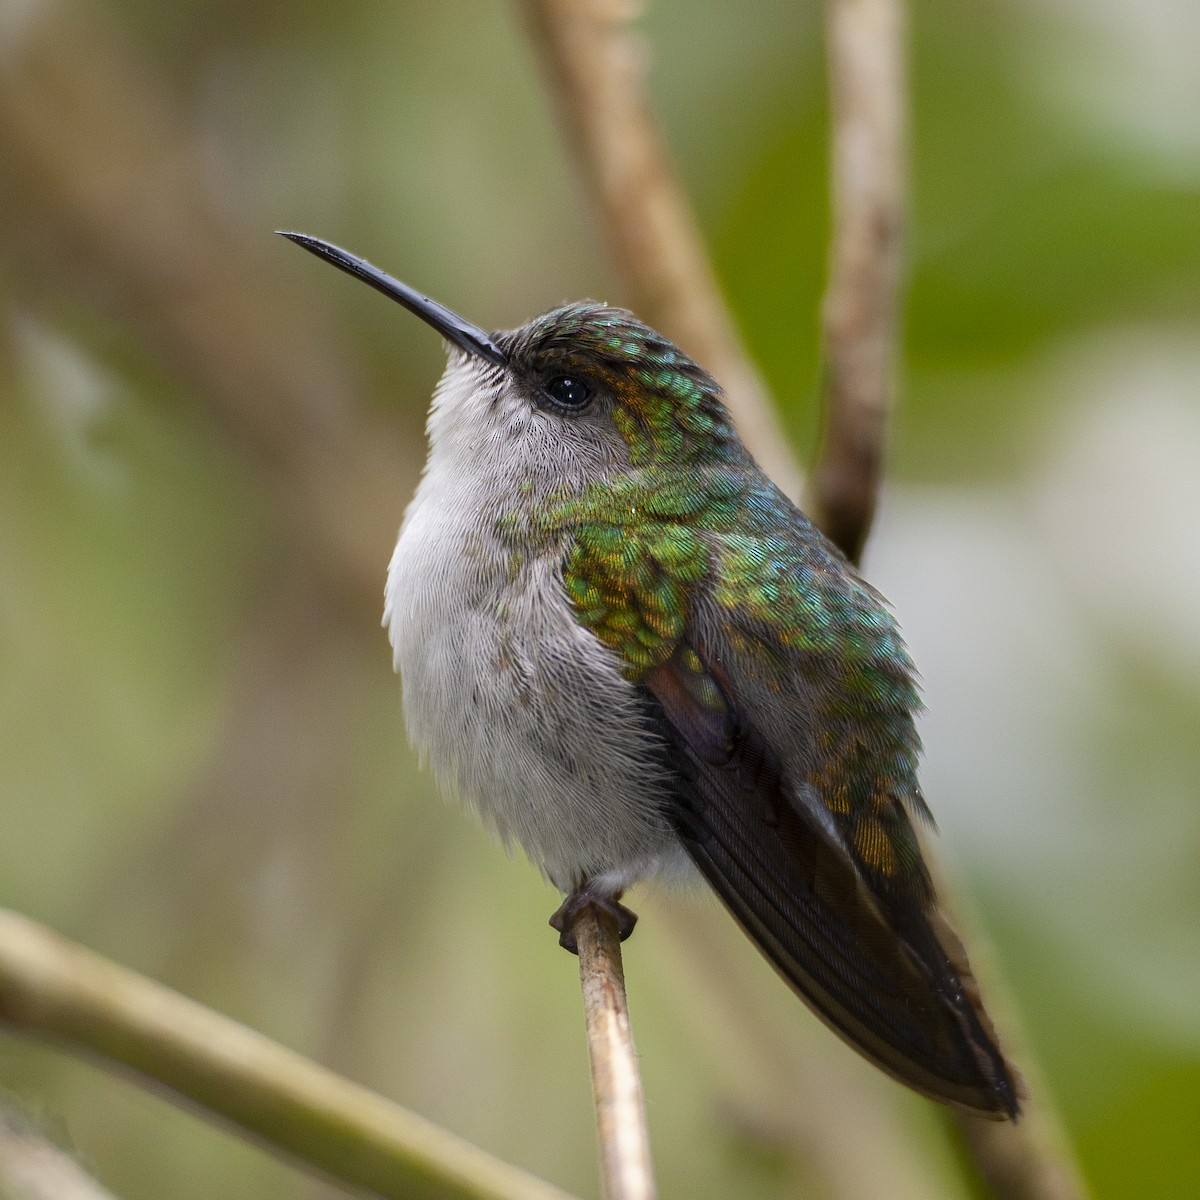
[[869, 963]]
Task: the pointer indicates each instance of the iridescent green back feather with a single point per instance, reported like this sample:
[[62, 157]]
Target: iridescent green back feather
[[693, 542]]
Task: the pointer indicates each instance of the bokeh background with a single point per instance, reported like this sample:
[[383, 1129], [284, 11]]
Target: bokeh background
[[207, 440]]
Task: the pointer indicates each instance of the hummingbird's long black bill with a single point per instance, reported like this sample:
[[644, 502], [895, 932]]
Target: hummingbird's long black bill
[[449, 324]]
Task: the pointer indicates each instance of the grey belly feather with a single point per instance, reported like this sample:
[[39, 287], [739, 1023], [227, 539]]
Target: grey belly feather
[[521, 711]]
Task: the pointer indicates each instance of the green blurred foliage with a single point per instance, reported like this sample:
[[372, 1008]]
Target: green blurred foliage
[[202, 762]]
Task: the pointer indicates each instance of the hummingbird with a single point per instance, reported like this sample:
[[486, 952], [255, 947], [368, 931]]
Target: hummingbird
[[634, 656]]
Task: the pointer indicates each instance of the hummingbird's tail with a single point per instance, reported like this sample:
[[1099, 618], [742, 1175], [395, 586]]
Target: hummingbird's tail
[[887, 973], [903, 1002]]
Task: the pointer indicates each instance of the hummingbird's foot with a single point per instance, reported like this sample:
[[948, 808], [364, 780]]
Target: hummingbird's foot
[[564, 918]]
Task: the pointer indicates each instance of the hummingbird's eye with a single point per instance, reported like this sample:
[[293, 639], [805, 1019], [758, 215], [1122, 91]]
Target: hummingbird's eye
[[569, 391]]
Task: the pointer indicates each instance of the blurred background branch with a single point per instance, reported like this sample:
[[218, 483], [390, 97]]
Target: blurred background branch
[[201, 486], [104, 197], [33, 1168], [56, 990], [869, 107], [1031, 1160], [594, 66]]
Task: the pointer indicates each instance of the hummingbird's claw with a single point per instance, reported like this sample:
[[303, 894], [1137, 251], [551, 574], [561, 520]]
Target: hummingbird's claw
[[565, 915]]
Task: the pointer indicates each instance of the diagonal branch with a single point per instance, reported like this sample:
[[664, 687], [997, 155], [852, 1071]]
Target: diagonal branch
[[594, 66], [1033, 1159], [94, 180], [52, 988], [869, 103]]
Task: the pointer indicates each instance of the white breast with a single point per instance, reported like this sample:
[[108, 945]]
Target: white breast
[[517, 708]]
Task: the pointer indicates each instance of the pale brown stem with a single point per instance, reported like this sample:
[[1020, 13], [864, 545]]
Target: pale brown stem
[[594, 66], [33, 1168], [626, 1169], [1029, 1162], [55, 989], [804, 1103], [866, 79], [1032, 1159]]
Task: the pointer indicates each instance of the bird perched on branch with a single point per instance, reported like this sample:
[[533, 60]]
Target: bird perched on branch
[[631, 654]]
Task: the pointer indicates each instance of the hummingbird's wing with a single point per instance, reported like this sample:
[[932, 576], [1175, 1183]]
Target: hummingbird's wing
[[781, 688], [871, 965]]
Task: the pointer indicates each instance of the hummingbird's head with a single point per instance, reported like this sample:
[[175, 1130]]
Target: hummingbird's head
[[570, 397]]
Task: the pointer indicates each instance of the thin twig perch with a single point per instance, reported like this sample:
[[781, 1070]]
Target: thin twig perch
[[626, 1169], [55, 989]]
